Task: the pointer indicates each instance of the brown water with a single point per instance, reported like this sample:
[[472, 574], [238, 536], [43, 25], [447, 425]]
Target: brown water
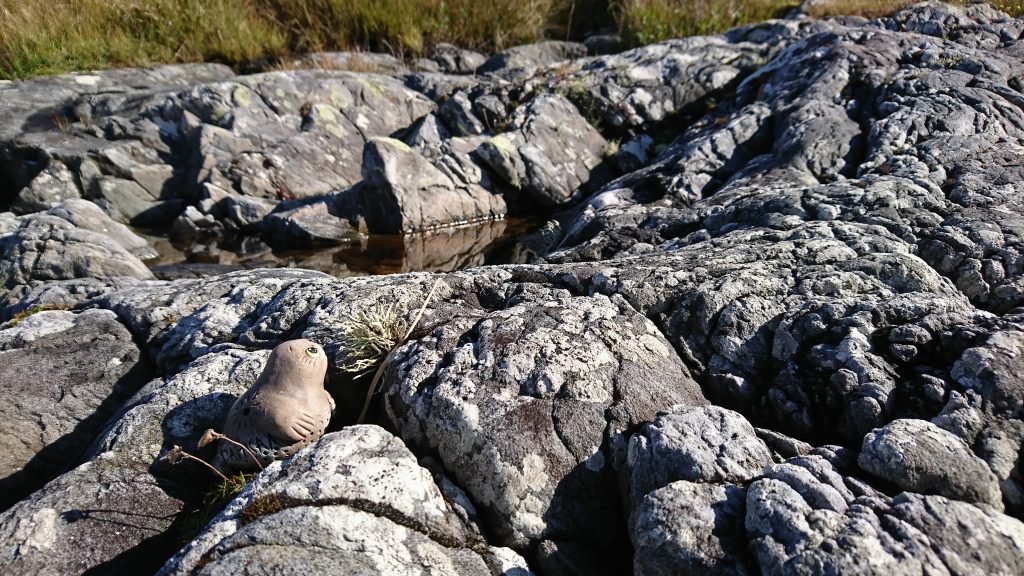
[[442, 250]]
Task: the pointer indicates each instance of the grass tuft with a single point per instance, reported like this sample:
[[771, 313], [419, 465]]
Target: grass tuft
[[368, 335], [215, 499], [262, 506], [647, 21], [38, 37], [17, 318]]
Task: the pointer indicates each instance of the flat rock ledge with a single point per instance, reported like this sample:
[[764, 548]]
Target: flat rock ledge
[[774, 323]]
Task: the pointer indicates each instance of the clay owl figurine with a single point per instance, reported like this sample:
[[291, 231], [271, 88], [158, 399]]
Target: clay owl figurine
[[285, 410]]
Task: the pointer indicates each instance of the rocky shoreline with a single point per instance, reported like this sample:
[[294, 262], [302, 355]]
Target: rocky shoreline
[[774, 322]]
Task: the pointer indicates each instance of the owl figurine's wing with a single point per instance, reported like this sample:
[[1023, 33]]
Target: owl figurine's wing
[[283, 425]]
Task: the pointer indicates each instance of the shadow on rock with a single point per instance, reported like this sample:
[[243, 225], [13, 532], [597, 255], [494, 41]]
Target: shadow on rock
[[64, 376], [583, 500], [64, 452]]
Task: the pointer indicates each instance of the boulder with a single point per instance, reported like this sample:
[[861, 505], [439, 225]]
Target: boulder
[[691, 528], [647, 86], [355, 62], [702, 444], [404, 192], [45, 247], [356, 501], [247, 212], [64, 375], [549, 151], [307, 224], [522, 60], [51, 186], [684, 490], [918, 456], [116, 513], [991, 370], [536, 444], [145, 151], [803, 516], [454, 60], [88, 216]]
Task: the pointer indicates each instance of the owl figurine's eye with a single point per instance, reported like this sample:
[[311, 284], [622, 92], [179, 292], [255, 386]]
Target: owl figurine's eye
[[312, 351]]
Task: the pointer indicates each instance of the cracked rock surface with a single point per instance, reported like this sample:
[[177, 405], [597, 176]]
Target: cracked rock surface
[[775, 327], [356, 501], [64, 375], [529, 404]]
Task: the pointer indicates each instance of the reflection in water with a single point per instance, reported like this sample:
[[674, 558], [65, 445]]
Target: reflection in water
[[442, 250]]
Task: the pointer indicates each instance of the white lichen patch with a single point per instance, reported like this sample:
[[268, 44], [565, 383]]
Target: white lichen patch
[[87, 79], [36, 533]]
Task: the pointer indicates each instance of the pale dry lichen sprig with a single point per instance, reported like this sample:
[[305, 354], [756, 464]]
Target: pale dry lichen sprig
[[371, 336], [368, 334]]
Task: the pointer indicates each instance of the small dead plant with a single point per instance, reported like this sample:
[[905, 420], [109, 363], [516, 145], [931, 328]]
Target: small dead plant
[[219, 494], [370, 337]]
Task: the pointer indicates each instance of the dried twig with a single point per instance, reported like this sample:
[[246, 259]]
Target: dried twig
[[177, 454], [211, 435]]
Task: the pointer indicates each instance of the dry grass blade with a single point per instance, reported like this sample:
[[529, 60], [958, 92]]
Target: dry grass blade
[[39, 37], [375, 383]]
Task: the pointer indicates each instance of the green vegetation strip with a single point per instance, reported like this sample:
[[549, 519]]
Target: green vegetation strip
[[39, 37]]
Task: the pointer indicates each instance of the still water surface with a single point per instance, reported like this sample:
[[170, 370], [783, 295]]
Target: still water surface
[[444, 250]]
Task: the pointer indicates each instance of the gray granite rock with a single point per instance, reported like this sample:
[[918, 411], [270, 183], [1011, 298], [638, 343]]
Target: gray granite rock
[[47, 247], [183, 320], [992, 369], [247, 212], [356, 501], [404, 192], [64, 375], [976, 25], [521, 60], [355, 61], [918, 456], [454, 60], [817, 229], [549, 151], [805, 517], [88, 216], [458, 115], [648, 85], [192, 223], [145, 150], [52, 185], [697, 444], [687, 528], [309, 223], [116, 512], [536, 443]]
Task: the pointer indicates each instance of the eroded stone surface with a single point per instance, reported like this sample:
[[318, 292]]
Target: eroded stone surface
[[354, 501], [66, 243], [64, 375], [116, 512], [816, 228], [921, 457], [536, 441]]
